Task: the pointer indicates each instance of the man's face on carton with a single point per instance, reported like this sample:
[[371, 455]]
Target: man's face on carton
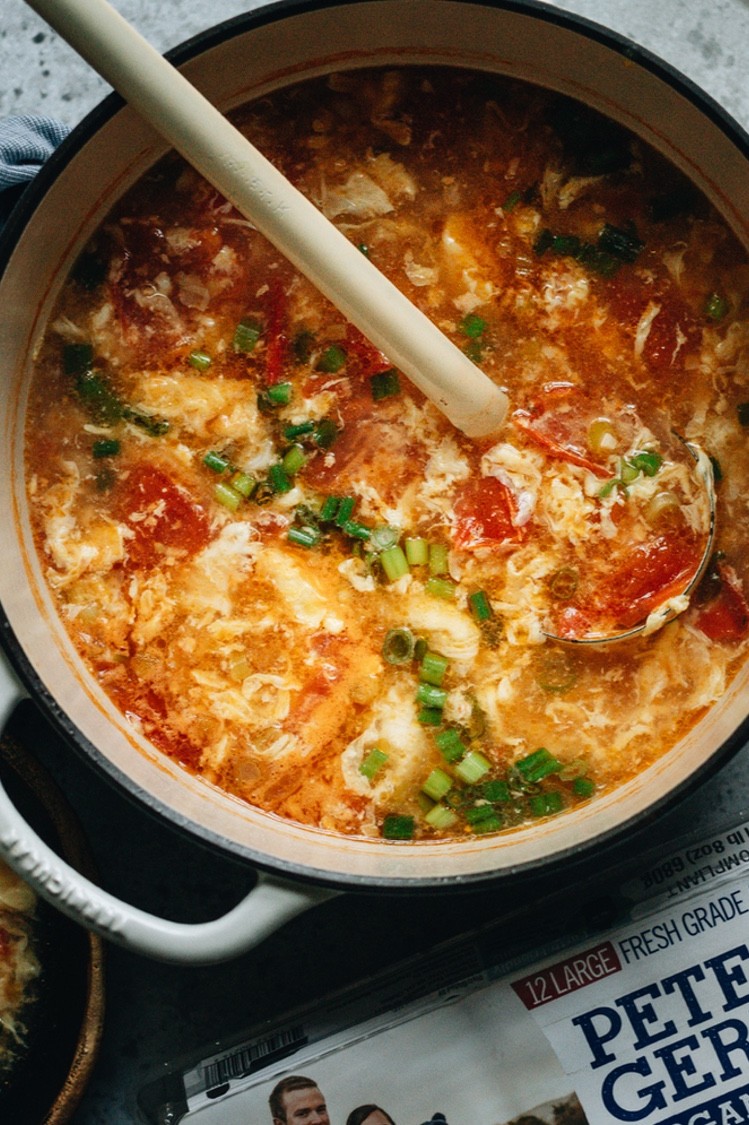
[[304, 1107]]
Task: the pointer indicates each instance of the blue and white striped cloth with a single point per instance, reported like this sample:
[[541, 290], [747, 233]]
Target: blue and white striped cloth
[[25, 143]]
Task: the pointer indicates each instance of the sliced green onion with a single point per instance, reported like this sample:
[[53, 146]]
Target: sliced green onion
[[437, 558], [450, 744], [294, 459], [106, 447], [512, 201], [98, 397], [430, 716], [398, 646], [473, 767], [279, 479], [373, 763], [602, 437], [437, 784], [332, 359], [480, 605], [622, 244], [440, 588], [647, 462], [473, 326], [538, 765], [440, 817], [227, 496], [356, 530], [583, 787], [279, 393], [148, 422], [384, 536], [417, 551], [246, 335], [628, 472], [394, 563], [433, 668], [77, 358], [716, 306], [299, 429], [243, 483], [384, 384], [555, 670], [345, 510], [304, 536], [329, 508], [496, 791], [201, 361], [216, 462], [325, 433], [302, 346], [430, 695], [483, 818], [546, 804], [396, 827]]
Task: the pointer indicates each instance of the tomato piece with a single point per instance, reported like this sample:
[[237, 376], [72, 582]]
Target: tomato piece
[[485, 510], [161, 514], [725, 618], [370, 360], [674, 332], [559, 422], [277, 347]]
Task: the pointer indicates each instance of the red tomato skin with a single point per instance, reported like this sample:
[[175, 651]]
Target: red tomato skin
[[725, 618], [161, 515], [485, 510]]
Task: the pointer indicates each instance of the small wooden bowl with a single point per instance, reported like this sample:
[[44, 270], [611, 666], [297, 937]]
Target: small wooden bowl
[[46, 1081]]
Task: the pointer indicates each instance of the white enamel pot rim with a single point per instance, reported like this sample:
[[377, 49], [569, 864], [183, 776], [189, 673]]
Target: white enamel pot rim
[[102, 157]]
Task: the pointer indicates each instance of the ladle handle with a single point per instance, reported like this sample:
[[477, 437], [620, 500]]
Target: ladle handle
[[314, 246], [269, 905]]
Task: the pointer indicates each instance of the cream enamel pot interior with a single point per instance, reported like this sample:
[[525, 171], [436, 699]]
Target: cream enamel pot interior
[[106, 154]]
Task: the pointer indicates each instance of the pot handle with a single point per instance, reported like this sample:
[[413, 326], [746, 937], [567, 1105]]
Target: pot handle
[[269, 905]]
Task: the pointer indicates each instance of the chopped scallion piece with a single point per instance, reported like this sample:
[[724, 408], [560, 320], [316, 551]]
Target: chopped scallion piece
[[246, 335], [243, 483], [473, 767], [546, 804], [304, 536], [345, 510], [227, 496], [329, 508], [417, 551], [538, 765], [384, 384], [398, 646], [473, 326], [325, 433], [356, 530], [148, 422], [302, 346], [480, 605], [430, 695], [583, 787], [279, 393], [279, 479], [496, 791], [716, 306], [394, 563], [299, 429], [384, 536], [563, 583], [440, 588], [440, 817], [437, 558], [647, 462], [373, 763], [395, 827], [98, 397], [332, 359], [622, 244], [483, 818], [201, 361], [106, 447], [294, 459], [430, 716], [437, 784], [450, 744], [77, 358], [216, 462], [433, 668]]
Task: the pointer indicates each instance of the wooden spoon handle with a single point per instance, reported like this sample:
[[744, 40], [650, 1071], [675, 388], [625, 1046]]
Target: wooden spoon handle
[[202, 134]]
